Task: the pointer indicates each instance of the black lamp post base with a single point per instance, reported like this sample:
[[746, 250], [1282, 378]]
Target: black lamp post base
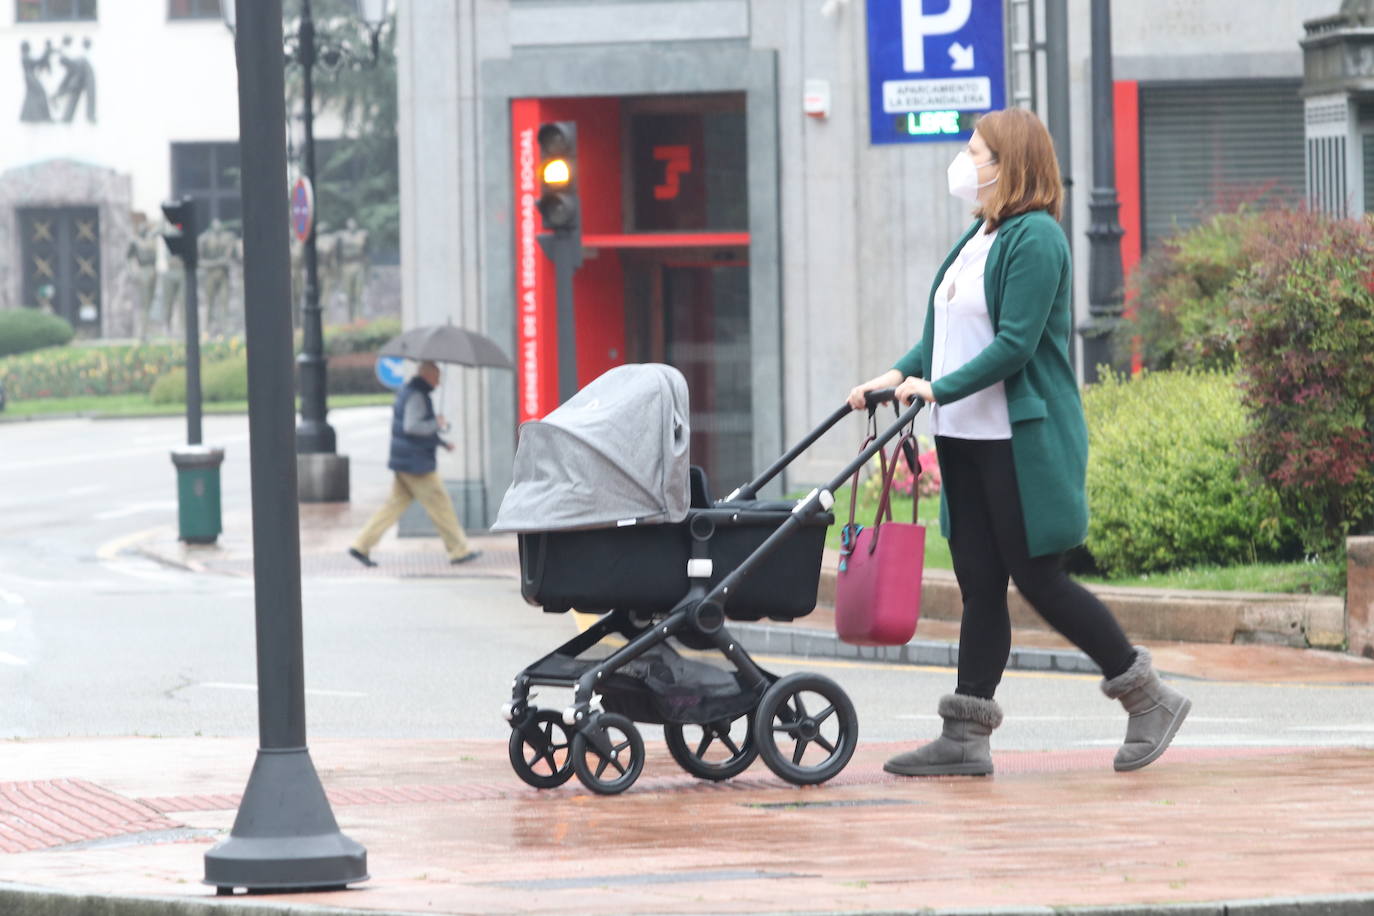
[[285, 837], [315, 436], [1098, 346]]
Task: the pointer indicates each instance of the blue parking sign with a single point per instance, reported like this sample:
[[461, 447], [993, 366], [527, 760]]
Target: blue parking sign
[[933, 67]]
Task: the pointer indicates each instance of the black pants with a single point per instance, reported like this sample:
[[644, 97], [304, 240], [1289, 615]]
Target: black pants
[[989, 547]]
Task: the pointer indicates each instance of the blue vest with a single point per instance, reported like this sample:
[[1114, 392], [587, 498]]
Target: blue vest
[[412, 454]]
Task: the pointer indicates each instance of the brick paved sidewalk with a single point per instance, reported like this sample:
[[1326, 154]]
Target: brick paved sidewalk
[[449, 829]]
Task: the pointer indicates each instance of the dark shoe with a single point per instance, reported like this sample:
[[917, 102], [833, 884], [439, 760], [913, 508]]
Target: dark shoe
[[963, 748], [1156, 710], [361, 557], [465, 558]]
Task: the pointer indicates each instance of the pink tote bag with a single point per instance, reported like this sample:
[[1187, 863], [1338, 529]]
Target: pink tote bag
[[878, 587]]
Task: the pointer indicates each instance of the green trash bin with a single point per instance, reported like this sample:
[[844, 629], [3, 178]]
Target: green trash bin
[[198, 514]]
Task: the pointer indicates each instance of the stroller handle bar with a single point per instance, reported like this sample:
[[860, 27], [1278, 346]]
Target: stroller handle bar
[[871, 400], [817, 501]]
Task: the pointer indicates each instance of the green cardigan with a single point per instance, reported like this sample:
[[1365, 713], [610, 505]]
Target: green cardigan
[[1028, 283]]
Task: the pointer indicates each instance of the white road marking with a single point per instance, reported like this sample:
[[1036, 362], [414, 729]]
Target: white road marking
[[6, 624], [102, 456], [1353, 727], [221, 685], [11, 598], [16, 661], [144, 569], [1224, 720], [137, 509], [1243, 741], [84, 491]]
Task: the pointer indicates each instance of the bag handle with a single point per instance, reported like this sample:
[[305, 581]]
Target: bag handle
[[907, 445], [854, 482]]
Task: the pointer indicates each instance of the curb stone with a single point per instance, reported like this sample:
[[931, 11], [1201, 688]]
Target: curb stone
[[25, 900], [803, 643]]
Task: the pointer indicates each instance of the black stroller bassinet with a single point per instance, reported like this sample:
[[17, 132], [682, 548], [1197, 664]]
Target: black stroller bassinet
[[609, 526]]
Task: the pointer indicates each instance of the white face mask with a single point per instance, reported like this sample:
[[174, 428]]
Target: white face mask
[[963, 177]]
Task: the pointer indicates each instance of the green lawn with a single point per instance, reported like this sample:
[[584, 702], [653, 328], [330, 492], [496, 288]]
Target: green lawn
[[1306, 578], [138, 405]]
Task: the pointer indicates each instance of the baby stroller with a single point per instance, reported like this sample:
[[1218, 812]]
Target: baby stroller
[[612, 519]]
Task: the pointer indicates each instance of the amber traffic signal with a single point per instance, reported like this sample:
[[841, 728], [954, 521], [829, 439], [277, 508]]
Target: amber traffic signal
[[558, 175]]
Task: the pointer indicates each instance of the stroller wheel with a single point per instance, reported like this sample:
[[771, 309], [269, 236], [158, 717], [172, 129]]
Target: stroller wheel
[[806, 728], [540, 750], [711, 751], [608, 754]]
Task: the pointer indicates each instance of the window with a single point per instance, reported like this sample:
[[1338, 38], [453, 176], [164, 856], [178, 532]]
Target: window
[[209, 172], [193, 9], [1207, 147], [688, 162], [53, 10]]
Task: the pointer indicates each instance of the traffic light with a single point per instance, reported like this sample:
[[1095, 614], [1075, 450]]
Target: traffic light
[[180, 234], [558, 176]]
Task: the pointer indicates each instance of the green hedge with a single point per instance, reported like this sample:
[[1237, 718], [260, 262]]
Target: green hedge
[[101, 369], [226, 380], [78, 371], [1185, 313], [1165, 482], [362, 336], [23, 330]]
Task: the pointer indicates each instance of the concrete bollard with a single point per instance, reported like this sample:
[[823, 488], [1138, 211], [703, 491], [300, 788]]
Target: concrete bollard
[[1359, 596]]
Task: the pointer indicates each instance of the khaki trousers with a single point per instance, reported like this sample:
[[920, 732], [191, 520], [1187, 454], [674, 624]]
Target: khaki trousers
[[405, 489]]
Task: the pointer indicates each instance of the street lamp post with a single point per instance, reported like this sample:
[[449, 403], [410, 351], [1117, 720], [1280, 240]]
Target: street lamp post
[[285, 836], [1105, 279], [323, 473]]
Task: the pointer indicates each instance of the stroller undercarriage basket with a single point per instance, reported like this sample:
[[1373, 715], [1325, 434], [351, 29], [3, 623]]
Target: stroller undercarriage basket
[[663, 686]]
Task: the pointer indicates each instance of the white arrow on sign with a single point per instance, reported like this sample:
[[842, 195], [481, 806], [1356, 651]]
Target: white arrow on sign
[[962, 55], [916, 25]]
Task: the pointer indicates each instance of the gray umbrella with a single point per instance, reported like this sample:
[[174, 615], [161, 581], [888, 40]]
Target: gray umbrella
[[446, 343]]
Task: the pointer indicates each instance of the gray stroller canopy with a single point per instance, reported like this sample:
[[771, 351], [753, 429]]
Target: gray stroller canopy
[[616, 451]]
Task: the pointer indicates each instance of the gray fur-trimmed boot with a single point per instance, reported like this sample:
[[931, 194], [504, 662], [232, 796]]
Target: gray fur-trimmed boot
[[963, 746], [1156, 710]]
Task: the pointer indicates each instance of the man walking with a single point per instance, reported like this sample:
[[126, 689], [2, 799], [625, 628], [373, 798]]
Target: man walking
[[414, 438]]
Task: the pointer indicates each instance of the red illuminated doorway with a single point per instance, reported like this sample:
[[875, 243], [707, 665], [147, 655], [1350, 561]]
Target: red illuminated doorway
[[664, 194], [690, 309]]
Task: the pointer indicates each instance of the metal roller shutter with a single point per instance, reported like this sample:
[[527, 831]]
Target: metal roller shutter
[[1207, 147]]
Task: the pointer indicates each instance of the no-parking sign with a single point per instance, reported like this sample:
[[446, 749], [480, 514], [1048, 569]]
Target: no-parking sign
[[302, 208]]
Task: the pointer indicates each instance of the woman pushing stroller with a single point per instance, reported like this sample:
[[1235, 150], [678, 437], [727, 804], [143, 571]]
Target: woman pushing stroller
[[993, 363]]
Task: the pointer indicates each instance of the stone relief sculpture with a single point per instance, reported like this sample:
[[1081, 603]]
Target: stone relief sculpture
[[142, 264], [297, 279], [353, 266], [35, 110], [215, 248], [78, 81], [327, 265], [172, 291], [41, 100]]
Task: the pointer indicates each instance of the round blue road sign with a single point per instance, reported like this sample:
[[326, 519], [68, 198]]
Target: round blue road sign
[[391, 371]]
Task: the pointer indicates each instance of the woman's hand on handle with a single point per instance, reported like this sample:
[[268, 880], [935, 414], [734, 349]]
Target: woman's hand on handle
[[887, 380], [912, 388]]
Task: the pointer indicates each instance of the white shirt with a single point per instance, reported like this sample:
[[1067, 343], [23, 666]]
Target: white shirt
[[963, 329]]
